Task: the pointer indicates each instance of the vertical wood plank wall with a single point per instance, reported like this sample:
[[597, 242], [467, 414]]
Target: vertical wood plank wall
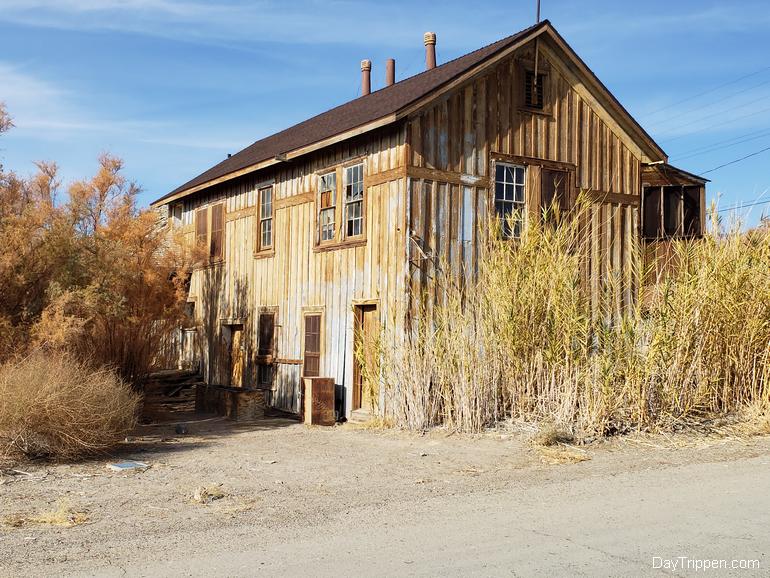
[[451, 144], [298, 278]]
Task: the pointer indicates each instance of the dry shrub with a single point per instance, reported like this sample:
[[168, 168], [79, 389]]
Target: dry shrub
[[521, 339], [55, 406]]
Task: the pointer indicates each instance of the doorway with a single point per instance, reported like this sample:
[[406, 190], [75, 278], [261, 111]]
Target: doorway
[[236, 355], [366, 332]]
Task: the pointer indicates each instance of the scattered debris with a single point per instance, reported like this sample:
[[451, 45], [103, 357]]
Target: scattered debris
[[563, 454], [423, 455], [207, 494], [551, 435], [64, 516], [127, 466], [269, 461]]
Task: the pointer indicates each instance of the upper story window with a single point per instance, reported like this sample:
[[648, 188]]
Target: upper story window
[[217, 241], [354, 200], [534, 92], [327, 192], [265, 221], [510, 198], [202, 226], [671, 212]]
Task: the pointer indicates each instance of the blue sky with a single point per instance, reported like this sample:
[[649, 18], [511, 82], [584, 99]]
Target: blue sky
[[172, 86]]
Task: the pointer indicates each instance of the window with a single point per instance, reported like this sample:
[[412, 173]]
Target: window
[[266, 333], [189, 315], [327, 191], [534, 95], [176, 215], [554, 193], [265, 232], [509, 199], [312, 364], [265, 348], [217, 244], [202, 226], [354, 200], [671, 212]]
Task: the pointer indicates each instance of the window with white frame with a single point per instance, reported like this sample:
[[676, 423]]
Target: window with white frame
[[354, 200], [327, 202], [265, 218], [509, 198]]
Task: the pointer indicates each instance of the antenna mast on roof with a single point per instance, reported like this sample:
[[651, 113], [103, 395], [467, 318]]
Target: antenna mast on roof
[[537, 48]]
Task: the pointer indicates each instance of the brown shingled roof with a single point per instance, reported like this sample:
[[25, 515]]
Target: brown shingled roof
[[351, 115]]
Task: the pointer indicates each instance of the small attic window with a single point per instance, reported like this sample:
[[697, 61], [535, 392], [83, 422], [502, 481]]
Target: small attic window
[[534, 96]]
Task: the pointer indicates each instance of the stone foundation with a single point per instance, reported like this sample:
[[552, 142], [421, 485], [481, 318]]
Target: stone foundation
[[237, 403]]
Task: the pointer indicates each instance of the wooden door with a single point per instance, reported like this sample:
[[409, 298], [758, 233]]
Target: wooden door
[[236, 355], [312, 354], [365, 391]]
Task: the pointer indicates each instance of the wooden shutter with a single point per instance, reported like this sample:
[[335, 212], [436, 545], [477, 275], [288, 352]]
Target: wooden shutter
[[202, 226], [312, 346], [217, 231], [266, 333]]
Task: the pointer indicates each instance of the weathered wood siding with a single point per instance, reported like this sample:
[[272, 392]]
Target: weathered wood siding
[[454, 141], [300, 277]]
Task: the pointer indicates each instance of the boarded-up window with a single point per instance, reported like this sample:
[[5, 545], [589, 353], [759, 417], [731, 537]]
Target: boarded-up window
[[202, 226], [327, 202], [312, 346], [217, 246], [671, 212], [265, 233], [266, 333], [652, 225], [554, 193], [534, 94], [354, 200], [509, 199]]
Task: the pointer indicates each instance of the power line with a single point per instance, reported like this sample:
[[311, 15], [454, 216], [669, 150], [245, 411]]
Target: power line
[[711, 149], [716, 125], [707, 105], [760, 132], [736, 161], [743, 206], [718, 113], [709, 91]]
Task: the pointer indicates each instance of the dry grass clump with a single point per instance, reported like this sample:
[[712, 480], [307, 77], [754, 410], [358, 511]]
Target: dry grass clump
[[63, 516], [207, 494], [55, 406], [562, 454], [523, 339]]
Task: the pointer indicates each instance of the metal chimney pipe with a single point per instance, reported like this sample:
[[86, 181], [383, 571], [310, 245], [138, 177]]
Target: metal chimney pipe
[[390, 72], [430, 50], [366, 77]]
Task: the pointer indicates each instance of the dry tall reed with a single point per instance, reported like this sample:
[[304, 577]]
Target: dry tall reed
[[520, 339]]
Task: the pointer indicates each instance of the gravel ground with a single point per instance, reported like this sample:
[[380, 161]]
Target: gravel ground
[[331, 501]]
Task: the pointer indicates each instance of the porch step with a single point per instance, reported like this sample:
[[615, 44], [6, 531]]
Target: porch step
[[360, 416]]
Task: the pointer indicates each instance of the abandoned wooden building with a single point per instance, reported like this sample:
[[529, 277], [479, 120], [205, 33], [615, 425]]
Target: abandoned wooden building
[[317, 234]]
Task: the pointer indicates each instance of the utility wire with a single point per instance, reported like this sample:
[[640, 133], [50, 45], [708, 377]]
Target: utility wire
[[711, 149], [716, 125], [717, 113], [708, 105], [743, 205], [736, 161], [760, 132], [709, 91]]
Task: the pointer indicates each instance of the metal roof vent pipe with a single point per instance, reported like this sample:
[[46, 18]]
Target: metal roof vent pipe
[[430, 50], [366, 77], [390, 72]]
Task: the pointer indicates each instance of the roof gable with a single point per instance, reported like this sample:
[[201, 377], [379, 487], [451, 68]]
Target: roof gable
[[383, 107]]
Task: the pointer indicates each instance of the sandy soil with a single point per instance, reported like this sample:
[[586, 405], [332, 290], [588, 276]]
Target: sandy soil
[[326, 501]]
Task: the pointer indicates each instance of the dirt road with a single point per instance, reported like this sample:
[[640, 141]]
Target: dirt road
[[339, 502]]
